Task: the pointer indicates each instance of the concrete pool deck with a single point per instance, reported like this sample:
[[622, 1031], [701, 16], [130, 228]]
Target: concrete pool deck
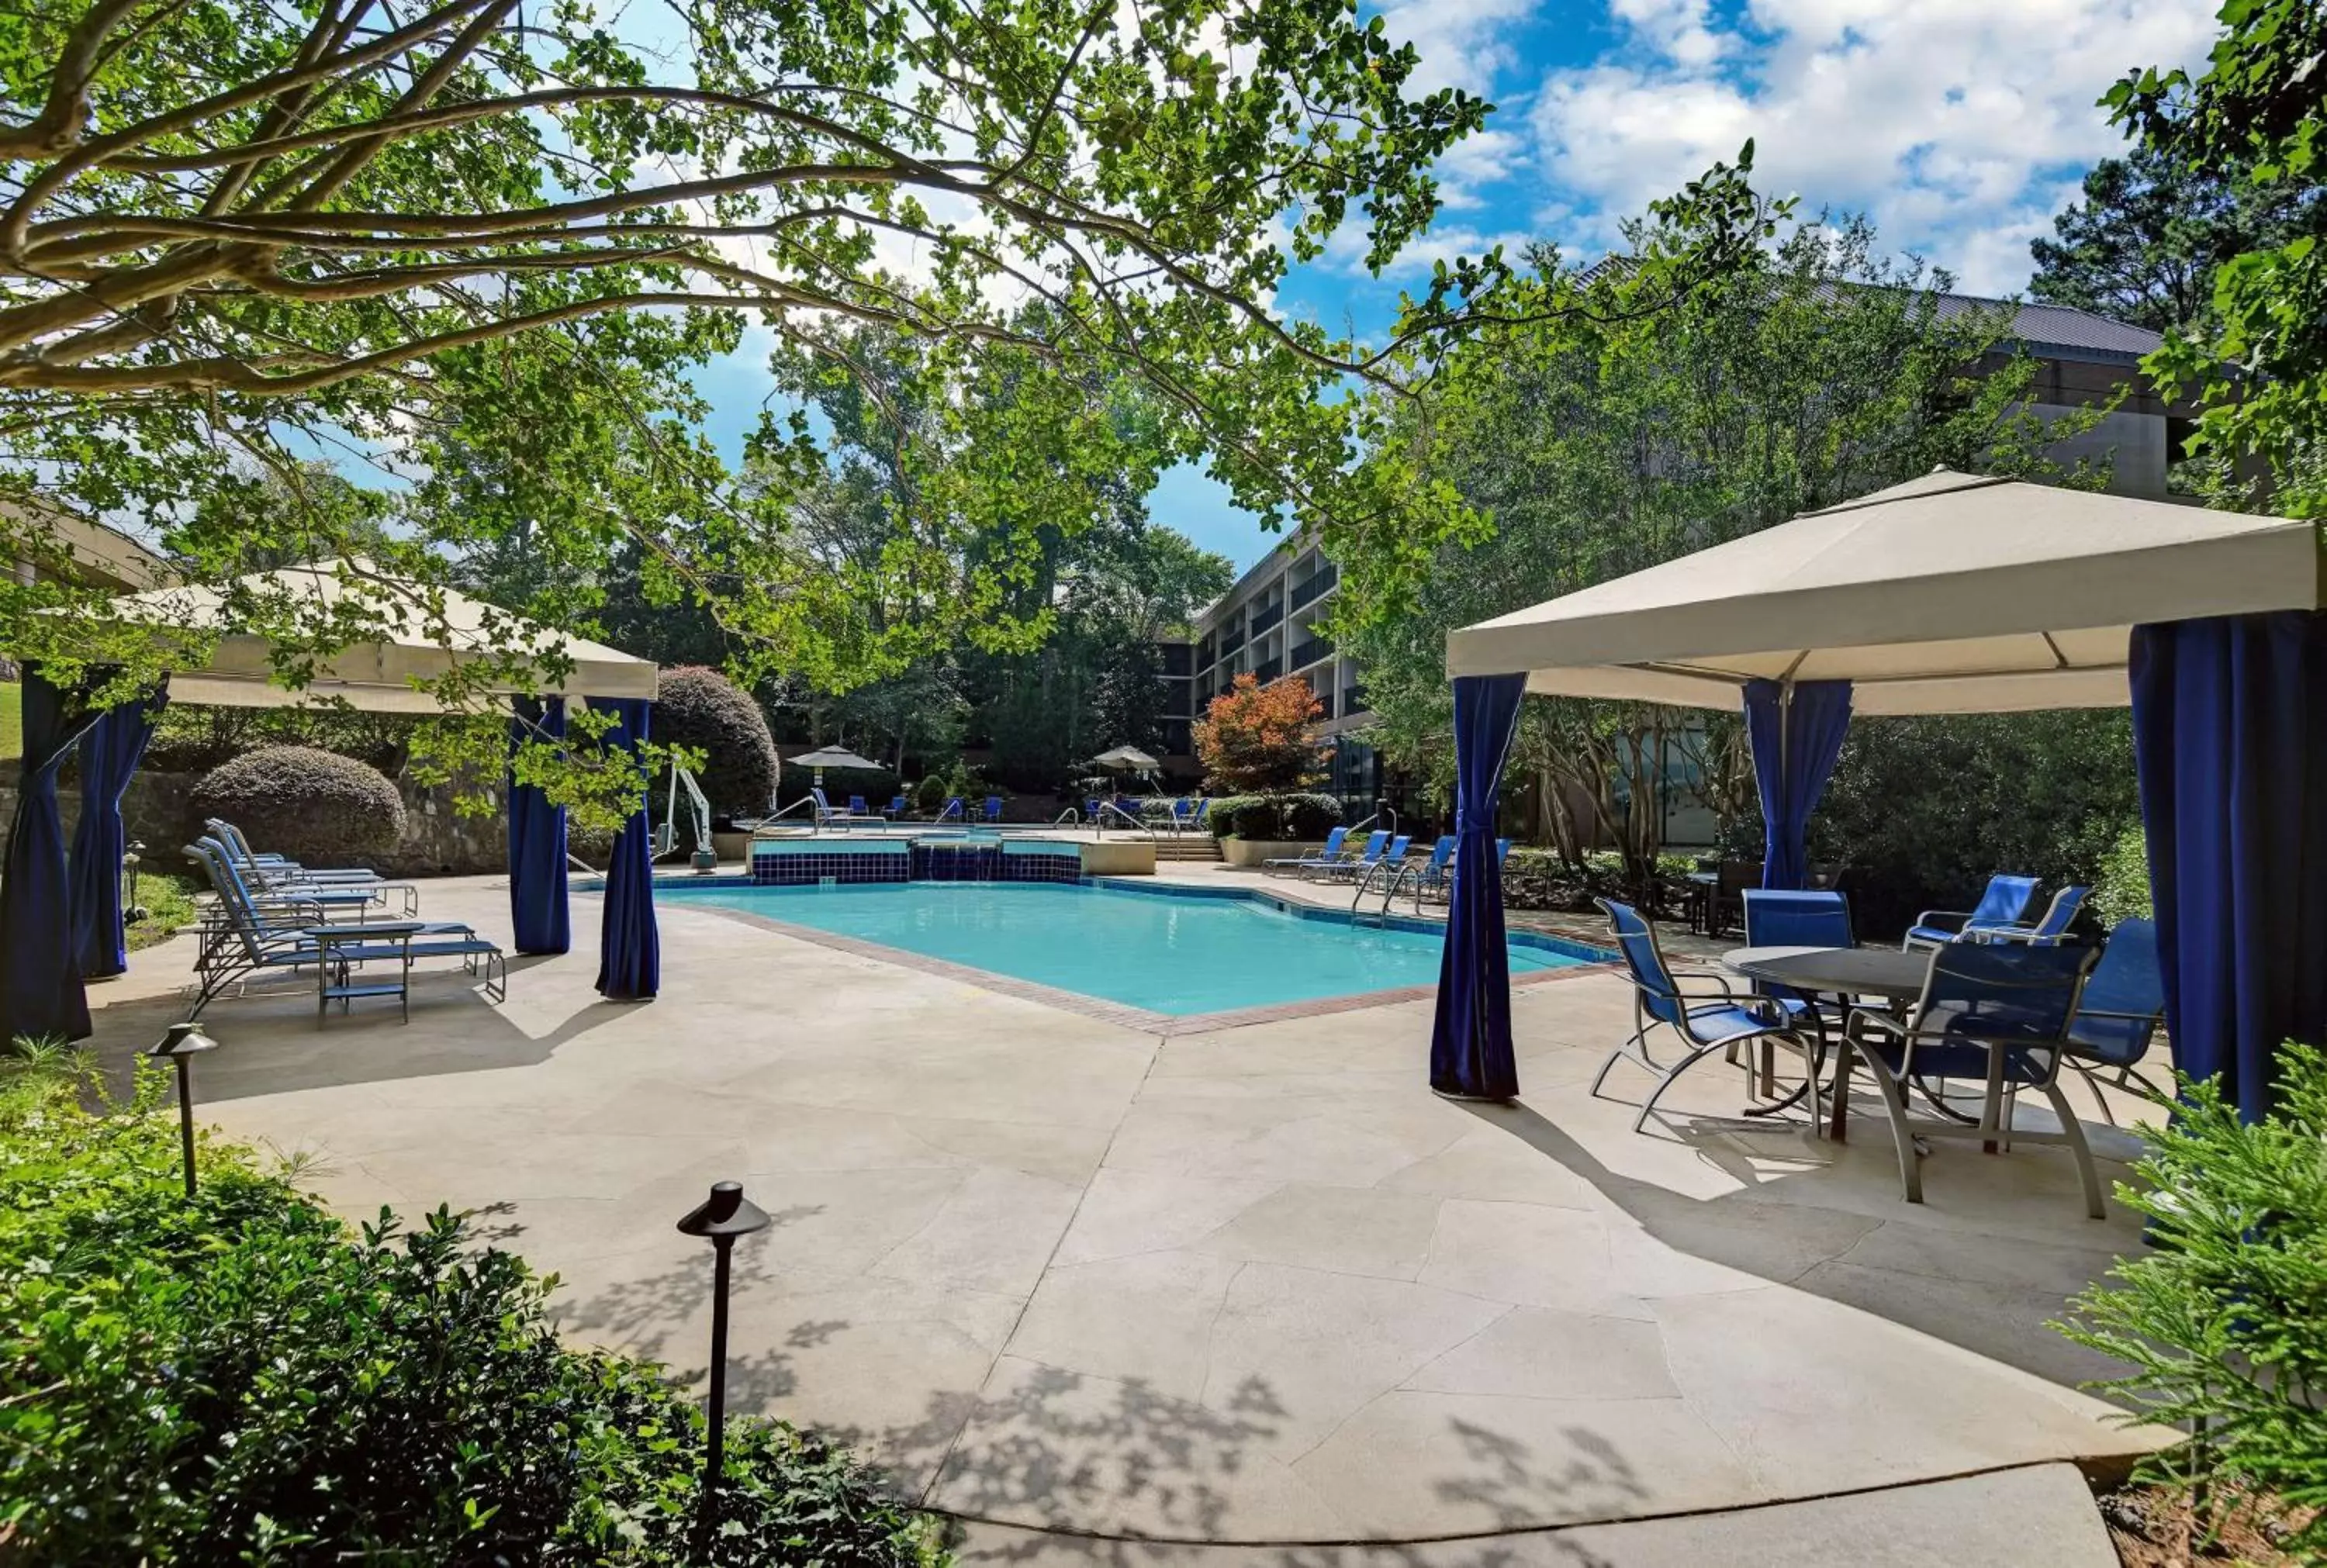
[[1251, 1285]]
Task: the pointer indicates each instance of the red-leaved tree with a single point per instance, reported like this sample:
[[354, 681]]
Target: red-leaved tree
[[1254, 738]]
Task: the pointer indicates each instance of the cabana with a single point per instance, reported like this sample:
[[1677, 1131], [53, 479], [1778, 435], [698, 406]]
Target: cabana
[[1956, 594], [61, 921]]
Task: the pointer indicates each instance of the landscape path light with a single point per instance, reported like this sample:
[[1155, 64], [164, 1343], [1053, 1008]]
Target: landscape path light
[[725, 1215], [180, 1045]]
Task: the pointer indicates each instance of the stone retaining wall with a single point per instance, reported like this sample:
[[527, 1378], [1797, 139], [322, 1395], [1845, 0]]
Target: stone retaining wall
[[437, 841]]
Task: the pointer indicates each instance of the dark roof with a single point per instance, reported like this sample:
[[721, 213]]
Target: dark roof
[[2062, 332], [2050, 332]]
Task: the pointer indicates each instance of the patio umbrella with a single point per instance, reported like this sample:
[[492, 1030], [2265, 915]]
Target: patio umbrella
[[832, 757], [1956, 594], [1126, 759]]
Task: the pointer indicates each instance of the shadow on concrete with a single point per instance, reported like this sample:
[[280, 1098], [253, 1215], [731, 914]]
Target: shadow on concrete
[[1055, 1449], [272, 1044], [1796, 1242]]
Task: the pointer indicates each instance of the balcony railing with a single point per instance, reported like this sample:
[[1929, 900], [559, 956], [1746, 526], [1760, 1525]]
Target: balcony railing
[[1353, 699], [1309, 588], [1264, 673], [1325, 705], [1230, 643], [1309, 651], [1262, 619]]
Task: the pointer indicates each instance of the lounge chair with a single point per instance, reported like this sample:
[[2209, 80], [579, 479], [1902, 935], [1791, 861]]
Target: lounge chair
[[1696, 1005], [1203, 810], [1436, 873], [857, 806], [1328, 867], [249, 936], [951, 811], [828, 815], [350, 894], [1331, 852], [2003, 903], [275, 863], [1374, 855], [2120, 1013], [2051, 929], [993, 808], [896, 811], [1996, 1013]]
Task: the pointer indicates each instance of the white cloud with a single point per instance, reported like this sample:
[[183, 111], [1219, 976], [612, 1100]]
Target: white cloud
[[1951, 123], [1465, 43]]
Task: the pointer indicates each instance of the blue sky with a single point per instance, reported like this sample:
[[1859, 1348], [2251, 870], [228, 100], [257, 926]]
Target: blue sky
[[1960, 127]]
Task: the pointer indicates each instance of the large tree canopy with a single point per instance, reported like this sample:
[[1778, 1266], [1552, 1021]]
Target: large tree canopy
[[426, 231], [2256, 116]]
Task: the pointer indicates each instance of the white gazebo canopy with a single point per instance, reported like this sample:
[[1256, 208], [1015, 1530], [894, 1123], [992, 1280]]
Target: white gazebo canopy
[[376, 676], [1949, 593]]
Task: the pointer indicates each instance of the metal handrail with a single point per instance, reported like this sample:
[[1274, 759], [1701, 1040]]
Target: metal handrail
[[1399, 872], [1071, 814], [1107, 805]]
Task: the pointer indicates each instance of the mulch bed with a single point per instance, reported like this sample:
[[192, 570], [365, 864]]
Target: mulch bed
[[2153, 1527]]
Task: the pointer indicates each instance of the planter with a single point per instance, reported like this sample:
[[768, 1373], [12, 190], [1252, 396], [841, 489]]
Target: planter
[[731, 845], [1253, 852], [1118, 857]]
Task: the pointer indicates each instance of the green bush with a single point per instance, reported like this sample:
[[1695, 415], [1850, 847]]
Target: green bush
[[1287, 818], [2223, 1316], [703, 709], [238, 1379], [315, 807], [2121, 890], [1537, 879], [929, 794]]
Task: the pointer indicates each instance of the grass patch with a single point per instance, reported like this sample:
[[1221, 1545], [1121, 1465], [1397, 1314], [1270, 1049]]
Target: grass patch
[[12, 722], [169, 903], [239, 1378]]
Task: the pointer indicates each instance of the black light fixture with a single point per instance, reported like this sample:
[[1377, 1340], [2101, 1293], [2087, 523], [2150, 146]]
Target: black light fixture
[[181, 1044], [725, 1216], [129, 863]]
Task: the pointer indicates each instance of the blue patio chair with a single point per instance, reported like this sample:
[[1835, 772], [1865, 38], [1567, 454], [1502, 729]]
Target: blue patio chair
[[250, 936], [1090, 807], [1337, 852], [1330, 852], [1706, 1013], [994, 808], [1996, 1012], [2119, 1015], [896, 811], [857, 806], [239, 848], [2051, 928], [2003, 903], [1379, 846], [952, 811], [1786, 917], [1436, 873], [1203, 811], [351, 894]]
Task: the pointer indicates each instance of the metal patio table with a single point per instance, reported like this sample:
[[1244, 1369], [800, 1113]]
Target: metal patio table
[[1895, 977]]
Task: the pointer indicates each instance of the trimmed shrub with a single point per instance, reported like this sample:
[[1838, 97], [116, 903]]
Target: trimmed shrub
[[2219, 1316], [311, 806], [929, 794], [1277, 817], [236, 1378], [699, 707]]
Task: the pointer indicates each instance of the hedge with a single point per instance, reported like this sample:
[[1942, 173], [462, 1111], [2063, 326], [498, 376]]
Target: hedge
[[315, 807], [237, 1378], [699, 707], [1288, 818]]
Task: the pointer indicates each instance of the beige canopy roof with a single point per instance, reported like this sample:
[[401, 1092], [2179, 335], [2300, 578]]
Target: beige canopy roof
[[1949, 593], [376, 677]]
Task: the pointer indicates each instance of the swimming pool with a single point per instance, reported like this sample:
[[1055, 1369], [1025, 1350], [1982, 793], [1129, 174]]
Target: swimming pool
[[1170, 951]]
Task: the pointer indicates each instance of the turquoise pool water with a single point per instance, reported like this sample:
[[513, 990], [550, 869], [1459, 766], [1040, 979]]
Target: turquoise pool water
[[1175, 954]]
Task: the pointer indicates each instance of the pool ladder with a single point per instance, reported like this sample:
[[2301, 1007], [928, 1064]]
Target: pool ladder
[[1401, 875]]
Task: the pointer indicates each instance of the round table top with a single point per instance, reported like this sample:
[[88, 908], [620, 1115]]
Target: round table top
[[1859, 971]]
